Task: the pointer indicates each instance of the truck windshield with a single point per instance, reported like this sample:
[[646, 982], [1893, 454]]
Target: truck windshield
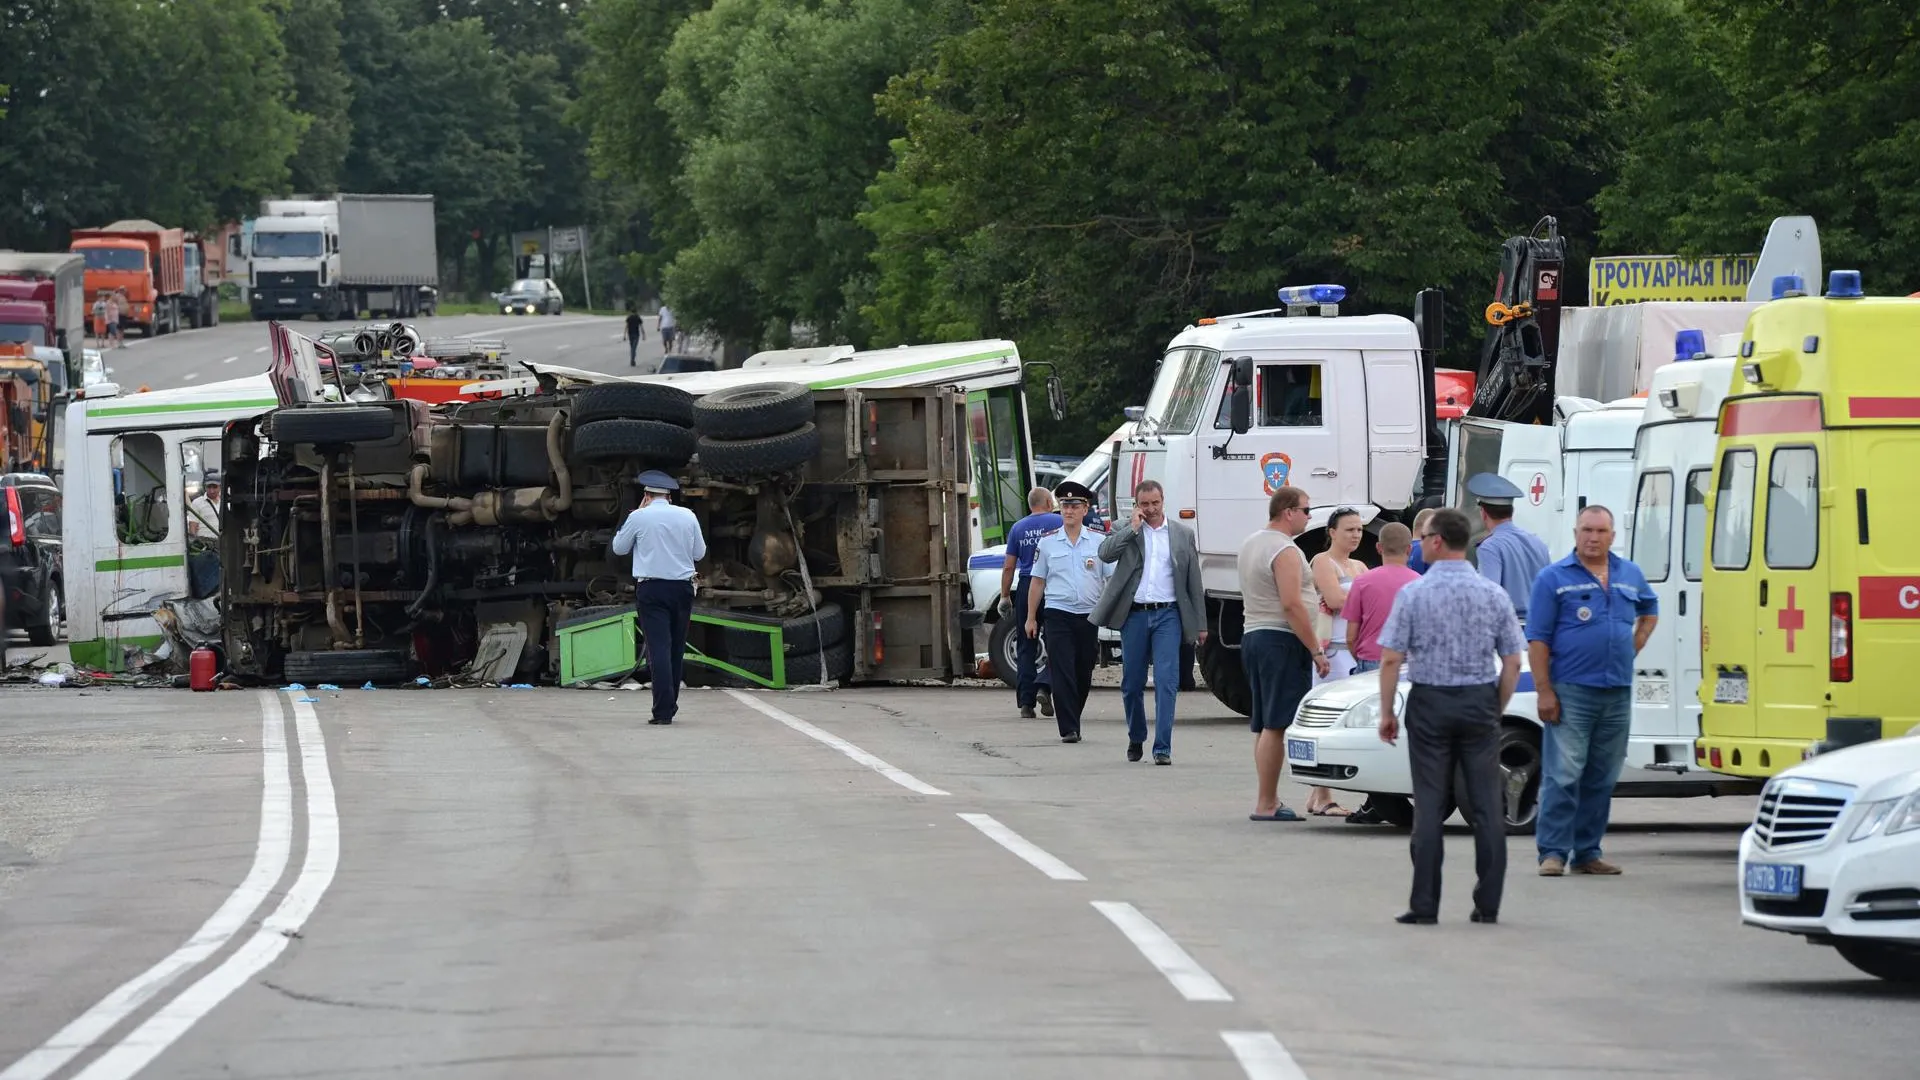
[[24, 333], [114, 259], [286, 245], [1179, 394]]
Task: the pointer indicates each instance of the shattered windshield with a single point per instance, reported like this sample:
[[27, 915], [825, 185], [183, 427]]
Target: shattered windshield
[[1179, 394]]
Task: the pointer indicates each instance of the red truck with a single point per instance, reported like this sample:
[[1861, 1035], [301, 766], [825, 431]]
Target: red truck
[[149, 263], [55, 282]]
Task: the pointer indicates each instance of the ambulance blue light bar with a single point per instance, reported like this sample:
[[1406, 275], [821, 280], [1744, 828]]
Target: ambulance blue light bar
[[1789, 285], [1689, 344], [1844, 285], [1313, 294]]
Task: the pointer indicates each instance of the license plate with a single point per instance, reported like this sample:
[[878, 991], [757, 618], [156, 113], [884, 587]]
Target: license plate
[[288, 300], [1652, 691], [1300, 750], [1730, 690], [1775, 880]]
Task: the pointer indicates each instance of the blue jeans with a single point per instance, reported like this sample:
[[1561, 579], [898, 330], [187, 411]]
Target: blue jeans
[[1030, 677], [1150, 637], [1361, 667], [1580, 761]]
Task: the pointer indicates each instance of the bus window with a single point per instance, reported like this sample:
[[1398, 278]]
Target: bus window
[[141, 512], [1733, 511]]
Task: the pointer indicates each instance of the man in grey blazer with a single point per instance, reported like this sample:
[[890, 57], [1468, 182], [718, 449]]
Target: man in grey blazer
[[1155, 600]]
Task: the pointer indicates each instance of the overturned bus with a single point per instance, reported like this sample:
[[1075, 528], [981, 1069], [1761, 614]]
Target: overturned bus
[[841, 494]]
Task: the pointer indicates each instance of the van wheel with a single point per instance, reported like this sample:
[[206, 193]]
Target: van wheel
[[348, 667], [1225, 676], [1887, 960], [753, 412], [1003, 648]]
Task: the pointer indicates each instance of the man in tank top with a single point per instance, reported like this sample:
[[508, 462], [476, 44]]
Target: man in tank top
[[1279, 649]]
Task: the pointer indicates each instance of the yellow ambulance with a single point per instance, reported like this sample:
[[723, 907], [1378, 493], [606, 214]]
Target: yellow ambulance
[[1811, 591]]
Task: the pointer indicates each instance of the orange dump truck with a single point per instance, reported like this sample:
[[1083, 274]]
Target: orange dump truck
[[147, 261]]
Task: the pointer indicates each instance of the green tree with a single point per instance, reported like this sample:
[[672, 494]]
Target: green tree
[[322, 91]]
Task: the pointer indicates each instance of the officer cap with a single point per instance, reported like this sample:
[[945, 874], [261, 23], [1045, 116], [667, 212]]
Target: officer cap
[[1073, 489], [658, 482], [1492, 489]]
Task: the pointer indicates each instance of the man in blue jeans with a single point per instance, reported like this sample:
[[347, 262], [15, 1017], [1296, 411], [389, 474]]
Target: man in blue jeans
[[1587, 616], [1155, 600], [1031, 685]]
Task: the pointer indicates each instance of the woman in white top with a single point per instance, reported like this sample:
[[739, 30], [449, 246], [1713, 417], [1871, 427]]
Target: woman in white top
[[1333, 571]]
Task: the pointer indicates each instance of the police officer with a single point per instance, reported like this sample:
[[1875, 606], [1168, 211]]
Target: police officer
[[665, 542], [1067, 564], [1509, 554]]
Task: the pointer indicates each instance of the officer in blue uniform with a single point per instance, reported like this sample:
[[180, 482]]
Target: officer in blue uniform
[[1509, 555], [1071, 575], [665, 542]]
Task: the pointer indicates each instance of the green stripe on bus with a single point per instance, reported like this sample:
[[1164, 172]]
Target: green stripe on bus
[[144, 562], [912, 369], [197, 406]]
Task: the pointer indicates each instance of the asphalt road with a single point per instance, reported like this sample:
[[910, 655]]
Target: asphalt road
[[235, 350], [875, 883]]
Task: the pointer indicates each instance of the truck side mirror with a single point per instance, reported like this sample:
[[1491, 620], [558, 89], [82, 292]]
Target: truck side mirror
[[1429, 318], [1056, 397], [1240, 400]]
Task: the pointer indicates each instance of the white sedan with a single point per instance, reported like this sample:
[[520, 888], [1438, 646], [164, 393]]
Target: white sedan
[[1335, 742], [1834, 856]]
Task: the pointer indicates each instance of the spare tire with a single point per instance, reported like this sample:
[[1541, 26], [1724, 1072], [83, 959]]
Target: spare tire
[[652, 441], [348, 667], [333, 424], [633, 401], [759, 457], [804, 635], [752, 412], [803, 669]]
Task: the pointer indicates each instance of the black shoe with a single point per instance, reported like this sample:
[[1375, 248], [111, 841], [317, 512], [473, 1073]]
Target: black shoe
[[1075, 737], [1163, 759], [1133, 751], [1368, 814], [1046, 702], [657, 720], [1410, 919], [1026, 713], [1483, 917]]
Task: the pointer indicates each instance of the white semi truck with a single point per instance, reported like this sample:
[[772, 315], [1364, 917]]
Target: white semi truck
[[341, 257]]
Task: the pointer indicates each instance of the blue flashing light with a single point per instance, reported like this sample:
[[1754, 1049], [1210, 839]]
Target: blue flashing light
[[1844, 285], [1313, 294], [1689, 345], [1789, 285]]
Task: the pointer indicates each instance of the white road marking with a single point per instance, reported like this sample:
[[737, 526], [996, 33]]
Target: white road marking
[[176, 1017], [1261, 1056], [229, 359], [1182, 970], [261, 349], [190, 376], [1023, 847], [269, 862], [904, 779], [495, 332]]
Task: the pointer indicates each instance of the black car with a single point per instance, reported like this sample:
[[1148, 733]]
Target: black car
[[31, 566]]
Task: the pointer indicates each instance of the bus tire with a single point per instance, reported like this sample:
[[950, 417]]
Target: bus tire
[[633, 401], [348, 667], [333, 424], [759, 457], [753, 412]]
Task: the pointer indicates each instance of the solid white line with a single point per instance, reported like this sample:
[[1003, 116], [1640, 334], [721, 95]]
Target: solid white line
[[1023, 847], [176, 1017], [904, 779], [269, 862], [1261, 1056], [1183, 971]]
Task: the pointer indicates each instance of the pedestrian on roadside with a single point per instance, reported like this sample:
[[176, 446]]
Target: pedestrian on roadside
[[669, 328], [666, 543], [1369, 602], [1590, 614], [636, 332], [1067, 564], [99, 323], [1329, 575], [1510, 556], [1278, 646], [1032, 686], [113, 320], [1416, 560], [1155, 600], [1446, 628]]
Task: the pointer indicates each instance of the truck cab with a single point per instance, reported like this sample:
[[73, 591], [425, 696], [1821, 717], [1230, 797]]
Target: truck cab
[[295, 260], [1813, 481]]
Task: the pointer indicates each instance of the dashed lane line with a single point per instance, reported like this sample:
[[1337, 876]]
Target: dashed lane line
[[1164, 953], [269, 862], [899, 776], [1023, 847], [1261, 1056]]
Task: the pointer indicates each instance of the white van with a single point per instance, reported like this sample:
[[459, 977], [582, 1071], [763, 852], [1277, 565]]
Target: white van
[[135, 538]]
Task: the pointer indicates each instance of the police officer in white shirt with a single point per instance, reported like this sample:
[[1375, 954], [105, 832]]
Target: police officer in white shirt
[[665, 542]]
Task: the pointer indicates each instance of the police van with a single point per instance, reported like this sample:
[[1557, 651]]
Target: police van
[[1812, 581]]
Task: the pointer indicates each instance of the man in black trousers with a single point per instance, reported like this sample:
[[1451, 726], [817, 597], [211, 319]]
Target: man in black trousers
[[1447, 628]]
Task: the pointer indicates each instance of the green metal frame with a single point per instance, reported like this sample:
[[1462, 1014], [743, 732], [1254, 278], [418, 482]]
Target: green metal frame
[[777, 650]]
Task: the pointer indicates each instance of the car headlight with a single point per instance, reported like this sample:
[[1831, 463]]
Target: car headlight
[[1896, 815], [1366, 714]]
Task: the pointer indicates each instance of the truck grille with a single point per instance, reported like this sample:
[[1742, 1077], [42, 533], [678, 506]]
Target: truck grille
[[1312, 714], [1797, 813], [290, 279]]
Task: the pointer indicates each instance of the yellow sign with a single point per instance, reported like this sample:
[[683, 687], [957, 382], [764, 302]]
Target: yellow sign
[[529, 247], [1637, 279]]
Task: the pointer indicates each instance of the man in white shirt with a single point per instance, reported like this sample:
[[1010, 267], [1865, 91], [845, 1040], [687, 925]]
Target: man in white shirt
[[1156, 601], [665, 542]]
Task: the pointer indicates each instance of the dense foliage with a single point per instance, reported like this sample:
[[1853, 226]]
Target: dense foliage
[[1083, 176]]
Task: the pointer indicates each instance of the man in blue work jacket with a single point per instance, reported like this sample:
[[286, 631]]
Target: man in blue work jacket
[[1032, 686], [1510, 556], [1072, 577], [1590, 613], [665, 542]]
